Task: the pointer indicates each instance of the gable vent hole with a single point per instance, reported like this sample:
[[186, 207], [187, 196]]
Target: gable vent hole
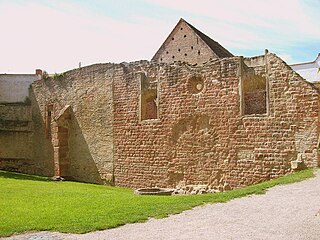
[[181, 28]]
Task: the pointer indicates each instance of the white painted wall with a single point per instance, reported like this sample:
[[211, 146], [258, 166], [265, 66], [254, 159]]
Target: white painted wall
[[308, 71], [15, 87]]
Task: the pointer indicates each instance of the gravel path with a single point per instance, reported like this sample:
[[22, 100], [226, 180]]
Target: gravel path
[[284, 212]]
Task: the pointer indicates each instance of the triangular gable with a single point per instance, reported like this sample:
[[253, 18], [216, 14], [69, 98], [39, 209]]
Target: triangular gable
[[219, 50], [188, 44]]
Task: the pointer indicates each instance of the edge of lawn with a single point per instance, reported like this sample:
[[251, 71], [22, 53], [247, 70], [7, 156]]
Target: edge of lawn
[[259, 188], [199, 200]]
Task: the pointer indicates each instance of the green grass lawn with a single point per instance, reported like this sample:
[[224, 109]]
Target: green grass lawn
[[29, 203]]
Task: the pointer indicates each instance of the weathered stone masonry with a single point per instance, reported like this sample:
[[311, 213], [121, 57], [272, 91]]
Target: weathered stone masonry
[[198, 130], [204, 138], [194, 115], [87, 153]]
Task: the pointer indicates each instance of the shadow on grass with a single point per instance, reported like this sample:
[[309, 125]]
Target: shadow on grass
[[20, 176]]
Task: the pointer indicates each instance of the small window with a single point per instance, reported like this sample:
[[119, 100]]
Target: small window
[[167, 52], [254, 94], [148, 98], [48, 118], [173, 57], [172, 38], [179, 50], [192, 47], [185, 54], [161, 59], [198, 52], [149, 108], [185, 36]]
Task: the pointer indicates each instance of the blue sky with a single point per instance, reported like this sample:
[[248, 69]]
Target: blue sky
[[57, 35]]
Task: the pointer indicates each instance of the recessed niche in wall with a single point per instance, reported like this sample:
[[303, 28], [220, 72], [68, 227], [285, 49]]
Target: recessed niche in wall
[[49, 110], [254, 94], [148, 98], [195, 84]]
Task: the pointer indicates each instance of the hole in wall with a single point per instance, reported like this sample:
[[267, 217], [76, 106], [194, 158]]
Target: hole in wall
[[148, 99], [192, 47], [199, 52], [49, 109], [161, 59], [179, 50], [195, 84], [254, 91], [185, 36], [199, 87], [172, 38], [149, 106], [185, 54], [172, 56], [181, 28]]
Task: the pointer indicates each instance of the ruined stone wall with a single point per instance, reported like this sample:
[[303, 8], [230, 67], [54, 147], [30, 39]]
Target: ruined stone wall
[[201, 136], [89, 146], [147, 124], [16, 147]]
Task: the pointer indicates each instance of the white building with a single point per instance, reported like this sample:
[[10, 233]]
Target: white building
[[15, 87], [308, 70]]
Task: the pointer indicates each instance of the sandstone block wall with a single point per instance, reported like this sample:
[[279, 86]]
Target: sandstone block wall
[[89, 93], [146, 124], [202, 135]]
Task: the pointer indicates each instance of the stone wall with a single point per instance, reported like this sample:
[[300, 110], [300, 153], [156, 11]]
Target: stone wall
[[88, 151], [201, 136], [145, 124], [16, 146]]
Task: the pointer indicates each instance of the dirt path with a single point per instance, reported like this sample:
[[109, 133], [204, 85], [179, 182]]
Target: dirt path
[[284, 212]]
